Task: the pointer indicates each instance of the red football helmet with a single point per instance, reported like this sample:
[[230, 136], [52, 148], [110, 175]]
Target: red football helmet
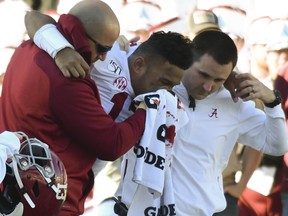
[[37, 178]]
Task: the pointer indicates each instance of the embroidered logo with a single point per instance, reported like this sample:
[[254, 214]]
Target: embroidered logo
[[120, 83], [214, 113], [114, 67]]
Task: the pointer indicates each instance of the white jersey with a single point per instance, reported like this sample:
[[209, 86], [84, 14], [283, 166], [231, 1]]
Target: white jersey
[[112, 77], [202, 148]]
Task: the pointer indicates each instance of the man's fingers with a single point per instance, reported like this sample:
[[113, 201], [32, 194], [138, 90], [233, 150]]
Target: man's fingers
[[18, 135], [74, 72], [66, 73], [123, 42], [81, 71], [85, 67], [71, 63], [234, 95], [134, 39]]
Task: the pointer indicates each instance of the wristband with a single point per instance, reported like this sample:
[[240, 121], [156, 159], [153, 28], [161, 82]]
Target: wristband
[[278, 99], [49, 39]]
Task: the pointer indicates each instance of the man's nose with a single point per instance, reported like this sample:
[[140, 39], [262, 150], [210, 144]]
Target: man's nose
[[208, 85]]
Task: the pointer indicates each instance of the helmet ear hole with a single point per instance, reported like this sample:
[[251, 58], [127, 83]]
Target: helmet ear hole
[[35, 189]]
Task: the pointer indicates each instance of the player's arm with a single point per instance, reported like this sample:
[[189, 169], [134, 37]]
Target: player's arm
[[250, 161], [87, 123], [42, 29], [124, 43], [34, 20]]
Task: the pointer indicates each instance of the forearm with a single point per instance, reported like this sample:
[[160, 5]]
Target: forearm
[[90, 125], [251, 159], [42, 29], [34, 20], [276, 132]]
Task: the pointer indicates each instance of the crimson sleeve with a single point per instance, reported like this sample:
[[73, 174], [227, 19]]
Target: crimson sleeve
[[77, 108]]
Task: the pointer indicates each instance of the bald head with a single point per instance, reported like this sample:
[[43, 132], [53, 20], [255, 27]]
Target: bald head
[[98, 20]]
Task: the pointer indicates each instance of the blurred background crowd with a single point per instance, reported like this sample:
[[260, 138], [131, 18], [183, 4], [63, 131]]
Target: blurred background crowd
[[260, 31]]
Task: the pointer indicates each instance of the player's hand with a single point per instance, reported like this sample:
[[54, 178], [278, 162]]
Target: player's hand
[[71, 63], [142, 105], [124, 43], [234, 189], [19, 136]]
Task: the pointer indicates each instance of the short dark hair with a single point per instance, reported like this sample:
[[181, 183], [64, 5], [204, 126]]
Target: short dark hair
[[216, 44], [169, 46]]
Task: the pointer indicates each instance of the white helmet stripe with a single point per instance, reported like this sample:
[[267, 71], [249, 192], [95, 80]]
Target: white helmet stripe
[[20, 184]]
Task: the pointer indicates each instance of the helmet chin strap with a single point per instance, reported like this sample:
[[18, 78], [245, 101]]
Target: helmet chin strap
[[20, 184]]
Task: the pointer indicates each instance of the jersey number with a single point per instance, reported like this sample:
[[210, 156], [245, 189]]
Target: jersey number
[[118, 100]]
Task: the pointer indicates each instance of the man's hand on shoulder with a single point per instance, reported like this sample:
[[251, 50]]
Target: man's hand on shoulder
[[71, 63], [124, 43], [142, 105]]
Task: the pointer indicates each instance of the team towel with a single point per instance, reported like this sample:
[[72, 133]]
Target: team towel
[[152, 170]]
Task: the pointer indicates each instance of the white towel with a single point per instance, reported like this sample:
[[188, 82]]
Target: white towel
[[154, 191]]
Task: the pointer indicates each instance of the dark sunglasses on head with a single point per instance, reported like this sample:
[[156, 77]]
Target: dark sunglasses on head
[[100, 48]]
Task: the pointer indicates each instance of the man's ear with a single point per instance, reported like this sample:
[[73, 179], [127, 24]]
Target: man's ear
[[139, 65]]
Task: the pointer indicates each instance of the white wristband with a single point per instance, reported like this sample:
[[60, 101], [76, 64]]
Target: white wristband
[[50, 40]]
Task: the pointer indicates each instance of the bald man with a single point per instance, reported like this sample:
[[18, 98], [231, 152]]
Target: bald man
[[67, 113]]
